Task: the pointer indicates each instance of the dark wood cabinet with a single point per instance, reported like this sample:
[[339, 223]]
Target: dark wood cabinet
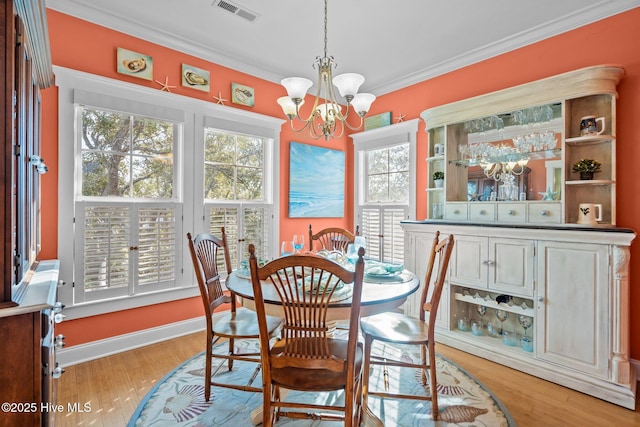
[[28, 287]]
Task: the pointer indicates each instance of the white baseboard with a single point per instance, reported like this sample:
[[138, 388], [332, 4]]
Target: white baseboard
[[97, 349]]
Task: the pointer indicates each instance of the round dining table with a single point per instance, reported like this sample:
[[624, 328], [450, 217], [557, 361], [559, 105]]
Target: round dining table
[[379, 294]]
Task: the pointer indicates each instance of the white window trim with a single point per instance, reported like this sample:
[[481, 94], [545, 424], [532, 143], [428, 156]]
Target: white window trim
[[67, 80], [387, 136]]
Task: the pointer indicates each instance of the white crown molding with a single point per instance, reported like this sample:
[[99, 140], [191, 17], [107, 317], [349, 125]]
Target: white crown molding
[[583, 16], [566, 23]]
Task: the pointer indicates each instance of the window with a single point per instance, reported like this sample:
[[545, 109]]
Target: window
[[385, 187], [234, 191], [139, 169], [126, 232]]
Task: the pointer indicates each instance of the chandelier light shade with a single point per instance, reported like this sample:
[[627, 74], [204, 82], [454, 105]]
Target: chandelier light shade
[[326, 119]]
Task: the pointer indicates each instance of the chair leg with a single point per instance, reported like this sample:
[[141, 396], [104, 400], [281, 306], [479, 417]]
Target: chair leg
[[366, 368], [433, 382], [423, 360], [230, 361], [207, 370]]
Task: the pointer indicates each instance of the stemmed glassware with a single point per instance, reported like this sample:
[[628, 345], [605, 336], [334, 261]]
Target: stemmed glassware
[[502, 316], [526, 322], [298, 242], [481, 310]]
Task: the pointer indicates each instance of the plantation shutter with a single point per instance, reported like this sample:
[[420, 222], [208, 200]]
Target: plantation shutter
[[381, 228], [123, 246], [243, 225]]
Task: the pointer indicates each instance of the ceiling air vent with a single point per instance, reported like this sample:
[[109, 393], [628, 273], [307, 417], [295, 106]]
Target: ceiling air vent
[[237, 10]]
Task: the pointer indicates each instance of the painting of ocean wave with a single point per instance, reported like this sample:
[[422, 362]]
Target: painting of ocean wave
[[316, 182]]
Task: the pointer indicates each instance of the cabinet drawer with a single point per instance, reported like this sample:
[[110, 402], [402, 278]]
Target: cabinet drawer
[[545, 213], [456, 211], [512, 212], [482, 212]]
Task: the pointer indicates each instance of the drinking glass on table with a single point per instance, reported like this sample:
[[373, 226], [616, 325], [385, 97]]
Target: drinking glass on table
[[298, 242], [287, 248]]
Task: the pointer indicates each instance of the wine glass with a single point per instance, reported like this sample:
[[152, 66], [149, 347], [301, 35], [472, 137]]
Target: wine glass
[[481, 310], [287, 248], [526, 322], [502, 316], [298, 242]]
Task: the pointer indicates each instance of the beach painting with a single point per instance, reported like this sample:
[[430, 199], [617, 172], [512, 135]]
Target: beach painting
[[316, 182]]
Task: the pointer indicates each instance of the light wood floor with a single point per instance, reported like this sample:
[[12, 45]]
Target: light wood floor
[[114, 386]]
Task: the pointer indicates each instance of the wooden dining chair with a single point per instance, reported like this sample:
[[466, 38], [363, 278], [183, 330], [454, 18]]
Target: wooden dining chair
[[332, 238], [397, 328], [308, 358], [236, 323]]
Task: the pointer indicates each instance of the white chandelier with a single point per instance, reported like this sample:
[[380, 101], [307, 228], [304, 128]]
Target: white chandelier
[[326, 118]]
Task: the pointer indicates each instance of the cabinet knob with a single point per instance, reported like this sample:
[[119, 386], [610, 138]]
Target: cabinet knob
[[57, 372], [456, 212], [540, 299], [512, 212], [544, 213], [483, 212]]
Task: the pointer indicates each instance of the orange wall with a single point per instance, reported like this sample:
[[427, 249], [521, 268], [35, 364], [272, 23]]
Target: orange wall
[[613, 40], [90, 48]]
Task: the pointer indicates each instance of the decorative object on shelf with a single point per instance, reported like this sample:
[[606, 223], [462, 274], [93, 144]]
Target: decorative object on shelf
[[548, 195], [586, 168], [165, 87], [589, 125], [196, 78], [219, 99], [241, 94], [328, 116], [587, 213], [438, 149], [377, 121], [400, 118], [134, 64], [437, 211], [463, 324], [438, 179]]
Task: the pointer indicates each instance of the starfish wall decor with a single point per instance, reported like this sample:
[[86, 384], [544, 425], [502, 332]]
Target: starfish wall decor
[[220, 100], [165, 86], [400, 117]]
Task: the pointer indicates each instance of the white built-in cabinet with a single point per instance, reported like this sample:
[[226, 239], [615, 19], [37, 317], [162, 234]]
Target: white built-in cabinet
[[573, 283], [532, 131]]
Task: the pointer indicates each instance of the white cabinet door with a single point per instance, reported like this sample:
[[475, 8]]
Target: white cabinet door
[[511, 265], [572, 308], [469, 261], [503, 265]]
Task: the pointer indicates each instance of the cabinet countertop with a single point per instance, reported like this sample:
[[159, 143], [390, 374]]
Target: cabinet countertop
[[559, 227]]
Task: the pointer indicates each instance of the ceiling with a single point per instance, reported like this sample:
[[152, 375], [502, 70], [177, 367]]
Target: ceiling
[[392, 43]]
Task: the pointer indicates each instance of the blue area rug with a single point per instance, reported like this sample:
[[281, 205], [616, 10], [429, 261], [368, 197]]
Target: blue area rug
[[178, 399]]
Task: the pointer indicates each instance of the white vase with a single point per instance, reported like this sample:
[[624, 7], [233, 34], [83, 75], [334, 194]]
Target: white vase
[[439, 183]]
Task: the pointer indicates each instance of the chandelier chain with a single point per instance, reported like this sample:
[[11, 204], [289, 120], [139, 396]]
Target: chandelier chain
[[325, 28]]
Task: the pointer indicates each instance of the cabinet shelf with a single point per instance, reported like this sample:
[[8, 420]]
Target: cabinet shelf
[[493, 304], [435, 189], [490, 342], [588, 182], [589, 139], [435, 158], [531, 155]]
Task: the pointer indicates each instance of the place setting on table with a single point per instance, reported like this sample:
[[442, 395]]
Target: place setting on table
[[386, 284]]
